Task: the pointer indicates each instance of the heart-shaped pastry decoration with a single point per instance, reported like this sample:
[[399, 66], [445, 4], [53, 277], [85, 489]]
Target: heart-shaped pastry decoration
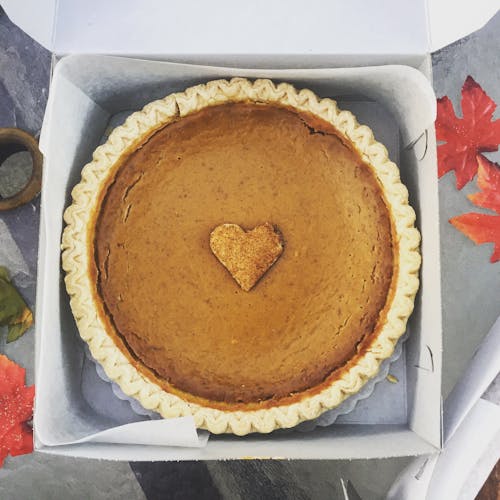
[[247, 255]]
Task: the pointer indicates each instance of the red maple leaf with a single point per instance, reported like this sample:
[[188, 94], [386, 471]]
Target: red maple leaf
[[480, 228], [465, 137], [484, 228], [488, 180], [16, 408]]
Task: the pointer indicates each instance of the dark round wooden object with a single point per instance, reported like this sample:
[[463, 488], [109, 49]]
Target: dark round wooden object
[[14, 140]]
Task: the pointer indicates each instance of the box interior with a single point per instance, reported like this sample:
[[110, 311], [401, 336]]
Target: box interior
[[91, 92]]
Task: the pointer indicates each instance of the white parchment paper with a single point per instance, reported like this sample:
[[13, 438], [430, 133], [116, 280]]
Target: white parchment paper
[[89, 96]]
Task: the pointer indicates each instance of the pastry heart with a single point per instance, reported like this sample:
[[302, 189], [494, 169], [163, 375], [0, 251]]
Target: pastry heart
[[247, 255]]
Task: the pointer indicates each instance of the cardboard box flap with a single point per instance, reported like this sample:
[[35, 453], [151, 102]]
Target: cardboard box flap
[[219, 27], [224, 27]]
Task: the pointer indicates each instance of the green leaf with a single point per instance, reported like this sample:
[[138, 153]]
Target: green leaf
[[15, 331], [14, 313], [4, 274]]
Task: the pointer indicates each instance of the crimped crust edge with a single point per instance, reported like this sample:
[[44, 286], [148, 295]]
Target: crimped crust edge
[[77, 240]]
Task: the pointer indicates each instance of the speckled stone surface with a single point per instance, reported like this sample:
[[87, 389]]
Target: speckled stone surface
[[45, 477], [470, 284], [470, 300], [24, 79]]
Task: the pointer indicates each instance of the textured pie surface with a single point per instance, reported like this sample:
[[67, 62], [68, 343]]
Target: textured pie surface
[[139, 270], [177, 309]]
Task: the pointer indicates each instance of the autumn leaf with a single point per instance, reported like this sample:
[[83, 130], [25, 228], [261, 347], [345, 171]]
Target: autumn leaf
[[14, 313], [465, 137], [488, 180], [16, 409], [484, 228], [480, 228]]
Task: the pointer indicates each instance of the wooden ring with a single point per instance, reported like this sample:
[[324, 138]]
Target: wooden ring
[[14, 140]]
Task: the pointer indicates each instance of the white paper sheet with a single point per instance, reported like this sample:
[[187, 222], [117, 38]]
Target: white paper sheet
[[481, 371], [167, 432], [479, 474], [461, 469], [471, 425], [463, 452]]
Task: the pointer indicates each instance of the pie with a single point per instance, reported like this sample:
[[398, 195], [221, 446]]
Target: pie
[[241, 252]]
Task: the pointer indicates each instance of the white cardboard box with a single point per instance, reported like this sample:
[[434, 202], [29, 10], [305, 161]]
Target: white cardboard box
[[79, 111], [87, 90]]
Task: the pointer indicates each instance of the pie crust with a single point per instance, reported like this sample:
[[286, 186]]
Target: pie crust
[[78, 255]]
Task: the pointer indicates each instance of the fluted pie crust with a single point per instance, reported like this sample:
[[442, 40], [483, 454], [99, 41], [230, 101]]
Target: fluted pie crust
[[153, 393]]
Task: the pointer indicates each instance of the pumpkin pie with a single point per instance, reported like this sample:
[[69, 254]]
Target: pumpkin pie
[[241, 252]]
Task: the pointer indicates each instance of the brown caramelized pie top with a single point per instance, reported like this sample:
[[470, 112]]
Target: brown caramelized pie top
[[177, 312]]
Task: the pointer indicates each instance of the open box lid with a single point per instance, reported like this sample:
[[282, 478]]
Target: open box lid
[[189, 27]]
